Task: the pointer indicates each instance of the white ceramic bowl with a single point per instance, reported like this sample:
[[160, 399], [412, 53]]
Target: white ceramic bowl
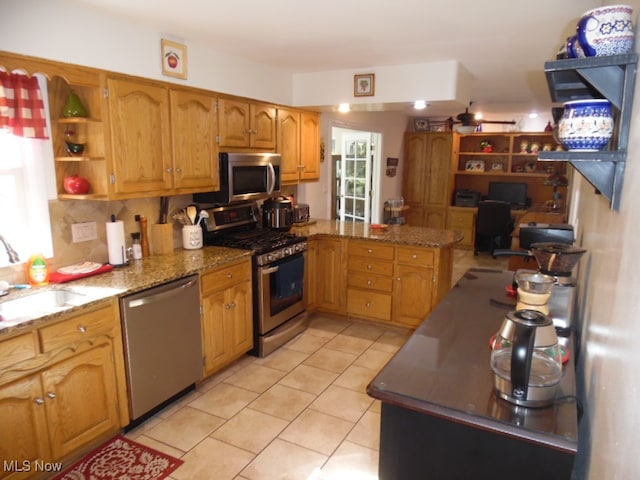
[[465, 129]]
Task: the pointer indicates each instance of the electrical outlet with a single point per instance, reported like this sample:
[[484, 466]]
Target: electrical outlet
[[83, 232]]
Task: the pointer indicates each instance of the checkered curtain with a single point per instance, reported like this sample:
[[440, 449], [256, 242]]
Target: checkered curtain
[[21, 106]]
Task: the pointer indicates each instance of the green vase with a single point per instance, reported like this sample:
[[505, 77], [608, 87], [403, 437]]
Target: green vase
[[74, 107]]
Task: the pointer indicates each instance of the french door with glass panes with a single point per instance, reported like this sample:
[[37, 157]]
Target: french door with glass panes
[[354, 178]]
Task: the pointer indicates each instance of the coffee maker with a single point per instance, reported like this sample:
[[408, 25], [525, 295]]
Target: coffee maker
[[557, 260]]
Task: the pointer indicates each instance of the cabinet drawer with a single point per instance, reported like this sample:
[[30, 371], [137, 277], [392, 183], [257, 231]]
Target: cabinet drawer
[[416, 256], [461, 219], [18, 349], [78, 328], [363, 303], [369, 265], [374, 282], [371, 249], [221, 279]]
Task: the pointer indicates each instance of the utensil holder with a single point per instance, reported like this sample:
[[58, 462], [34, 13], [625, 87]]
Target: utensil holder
[[161, 238], [191, 237]]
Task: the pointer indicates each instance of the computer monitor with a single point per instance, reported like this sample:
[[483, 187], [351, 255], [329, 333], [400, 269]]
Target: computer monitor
[[514, 193]]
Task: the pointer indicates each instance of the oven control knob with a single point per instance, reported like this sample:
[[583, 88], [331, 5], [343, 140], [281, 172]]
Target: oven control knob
[[269, 257], [287, 251]]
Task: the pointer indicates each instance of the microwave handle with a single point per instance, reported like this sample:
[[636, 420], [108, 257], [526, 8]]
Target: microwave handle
[[272, 178]]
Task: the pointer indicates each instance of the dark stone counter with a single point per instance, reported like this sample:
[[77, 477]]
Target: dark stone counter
[[438, 391]]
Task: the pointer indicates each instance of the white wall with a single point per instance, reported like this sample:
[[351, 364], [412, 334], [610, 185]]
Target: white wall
[[391, 125], [56, 30], [610, 318]]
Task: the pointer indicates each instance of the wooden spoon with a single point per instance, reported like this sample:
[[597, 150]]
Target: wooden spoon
[[192, 213]]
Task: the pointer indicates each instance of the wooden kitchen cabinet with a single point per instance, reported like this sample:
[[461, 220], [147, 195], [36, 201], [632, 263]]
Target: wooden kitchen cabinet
[[370, 279], [416, 282], [194, 124], [427, 178], [227, 321], [299, 145], [140, 137], [245, 124], [65, 390], [330, 275], [464, 220]]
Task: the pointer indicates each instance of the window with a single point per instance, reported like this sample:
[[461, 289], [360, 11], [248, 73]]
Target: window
[[27, 182]]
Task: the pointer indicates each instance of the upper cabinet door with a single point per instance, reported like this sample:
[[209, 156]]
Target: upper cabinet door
[[140, 137], [235, 122], [247, 125], [289, 144], [263, 126], [310, 146], [193, 133]]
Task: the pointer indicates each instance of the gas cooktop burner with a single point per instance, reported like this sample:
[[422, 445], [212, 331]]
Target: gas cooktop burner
[[258, 240]]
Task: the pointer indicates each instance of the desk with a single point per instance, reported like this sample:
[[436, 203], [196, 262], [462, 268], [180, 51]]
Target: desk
[[441, 418], [464, 218]]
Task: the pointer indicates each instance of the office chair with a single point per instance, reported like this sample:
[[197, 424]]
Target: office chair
[[494, 225]]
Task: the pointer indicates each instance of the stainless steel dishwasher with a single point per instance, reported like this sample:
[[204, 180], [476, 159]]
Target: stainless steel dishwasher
[[162, 342]]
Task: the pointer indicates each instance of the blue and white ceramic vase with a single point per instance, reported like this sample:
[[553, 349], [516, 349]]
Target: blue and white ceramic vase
[[586, 125]]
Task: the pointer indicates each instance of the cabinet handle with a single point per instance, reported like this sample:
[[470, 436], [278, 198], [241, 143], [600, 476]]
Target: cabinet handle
[[51, 395], [169, 170], [369, 267], [178, 170], [38, 400], [368, 304], [233, 305], [229, 276], [369, 250], [369, 282], [82, 329], [414, 256]]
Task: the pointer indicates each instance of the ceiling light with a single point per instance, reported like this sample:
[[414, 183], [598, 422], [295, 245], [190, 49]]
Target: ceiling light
[[533, 115], [344, 108], [420, 105], [478, 116]]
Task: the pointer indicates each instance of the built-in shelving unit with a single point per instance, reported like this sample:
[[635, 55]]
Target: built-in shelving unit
[[612, 77]]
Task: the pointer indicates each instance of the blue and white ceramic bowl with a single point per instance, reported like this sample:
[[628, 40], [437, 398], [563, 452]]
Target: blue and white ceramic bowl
[[586, 125], [606, 30]]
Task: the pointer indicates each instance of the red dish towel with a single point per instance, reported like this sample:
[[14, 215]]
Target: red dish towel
[[58, 277]]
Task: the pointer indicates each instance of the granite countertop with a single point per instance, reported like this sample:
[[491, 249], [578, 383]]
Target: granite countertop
[[443, 369], [398, 234], [157, 269], [138, 275]]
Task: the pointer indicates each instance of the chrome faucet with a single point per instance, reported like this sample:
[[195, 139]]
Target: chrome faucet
[[11, 253]]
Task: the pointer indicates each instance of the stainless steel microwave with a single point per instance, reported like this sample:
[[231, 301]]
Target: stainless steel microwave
[[245, 177]]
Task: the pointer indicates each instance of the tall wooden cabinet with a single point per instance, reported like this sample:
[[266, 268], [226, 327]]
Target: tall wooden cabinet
[[427, 178]]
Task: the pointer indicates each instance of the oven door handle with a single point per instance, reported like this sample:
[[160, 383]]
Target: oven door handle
[[270, 270]]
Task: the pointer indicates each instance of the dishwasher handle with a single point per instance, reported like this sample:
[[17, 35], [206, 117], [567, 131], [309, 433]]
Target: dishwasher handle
[[157, 297]]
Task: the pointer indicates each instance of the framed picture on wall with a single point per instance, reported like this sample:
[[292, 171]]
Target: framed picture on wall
[[364, 85], [174, 59]]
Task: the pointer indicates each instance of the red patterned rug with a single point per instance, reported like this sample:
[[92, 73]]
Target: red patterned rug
[[121, 458]]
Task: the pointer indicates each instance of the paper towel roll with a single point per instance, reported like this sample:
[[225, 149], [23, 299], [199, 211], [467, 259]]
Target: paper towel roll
[[115, 243]]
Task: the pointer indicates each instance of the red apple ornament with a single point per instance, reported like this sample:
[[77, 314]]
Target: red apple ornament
[[76, 185]]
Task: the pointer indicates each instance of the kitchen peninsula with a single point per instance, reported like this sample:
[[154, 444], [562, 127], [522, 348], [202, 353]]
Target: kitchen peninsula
[[440, 416]]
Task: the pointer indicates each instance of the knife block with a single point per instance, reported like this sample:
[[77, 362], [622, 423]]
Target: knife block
[[161, 238]]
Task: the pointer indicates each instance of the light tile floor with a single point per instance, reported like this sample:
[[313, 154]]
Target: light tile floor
[[302, 413]]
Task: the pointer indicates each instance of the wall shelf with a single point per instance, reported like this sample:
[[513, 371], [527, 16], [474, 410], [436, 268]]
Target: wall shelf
[[612, 77]]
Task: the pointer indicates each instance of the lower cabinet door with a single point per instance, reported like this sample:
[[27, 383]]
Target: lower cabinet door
[[23, 435], [413, 295], [80, 398]]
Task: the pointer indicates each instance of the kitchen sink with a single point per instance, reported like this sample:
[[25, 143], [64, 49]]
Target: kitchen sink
[[38, 304]]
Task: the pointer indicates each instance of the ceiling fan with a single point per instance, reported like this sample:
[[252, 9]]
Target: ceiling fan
[[467, 119]]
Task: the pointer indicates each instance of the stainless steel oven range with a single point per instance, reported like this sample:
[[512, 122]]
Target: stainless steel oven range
[[279, 295]]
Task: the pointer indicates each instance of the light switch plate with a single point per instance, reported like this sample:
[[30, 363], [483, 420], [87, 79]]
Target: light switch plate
[[83, 232]]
